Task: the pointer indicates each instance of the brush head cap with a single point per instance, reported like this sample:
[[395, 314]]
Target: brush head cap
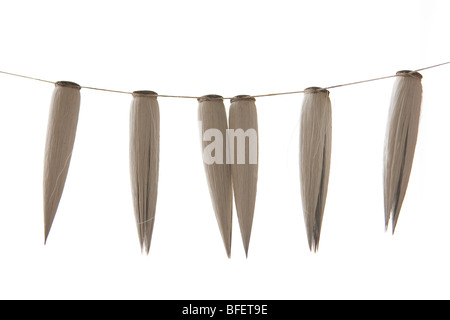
[[67, 84], [316, 90], [410, 73], [242, 97], [144, 93], [210, 97]]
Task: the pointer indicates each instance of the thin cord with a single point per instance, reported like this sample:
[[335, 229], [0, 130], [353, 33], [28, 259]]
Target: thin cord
[[331, 87], [108, 90], [277, 94], [436, 65], [358, 82], [18, 75], [255, 96], [183, 97]]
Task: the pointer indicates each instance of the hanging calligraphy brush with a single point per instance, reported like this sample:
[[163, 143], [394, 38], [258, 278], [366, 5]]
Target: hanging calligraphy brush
[[61, 131], [401, 137], [244, 161], [144, 162], [213, 128], [315, 154]]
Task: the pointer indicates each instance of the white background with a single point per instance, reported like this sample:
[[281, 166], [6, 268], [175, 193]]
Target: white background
[[227, 48]]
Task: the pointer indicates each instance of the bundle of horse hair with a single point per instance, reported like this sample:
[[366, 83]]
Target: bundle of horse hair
[[244, 161], [231, 164], [213, 123], [144, 162], [315, 155], [61, 131], [401, 137]]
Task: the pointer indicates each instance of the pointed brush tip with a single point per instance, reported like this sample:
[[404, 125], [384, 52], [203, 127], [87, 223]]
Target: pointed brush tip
[[386, 225], [228, 247], [145, 250], [313, 247], [246, 247], [46, 230], [394, 224], [146, 247]]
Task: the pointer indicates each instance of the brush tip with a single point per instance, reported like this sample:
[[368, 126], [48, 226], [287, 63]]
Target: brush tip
[[394, 225], [313, 246], [228, 250], [246, 247], [46, 234]]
